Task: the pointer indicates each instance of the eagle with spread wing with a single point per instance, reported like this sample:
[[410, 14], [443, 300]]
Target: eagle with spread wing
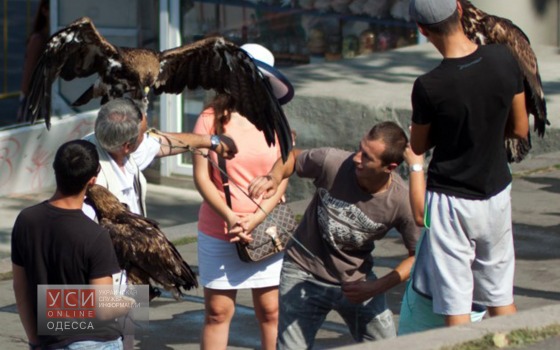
[[483, 29], [142, 248], [78, 51]]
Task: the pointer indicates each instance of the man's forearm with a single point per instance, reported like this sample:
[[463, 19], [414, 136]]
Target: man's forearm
[[281, 170], [190, 139], [518, 121], [174, 143], [400, 274]]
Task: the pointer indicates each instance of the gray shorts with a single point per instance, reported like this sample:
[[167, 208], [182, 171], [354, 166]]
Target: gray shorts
[[471, 250]]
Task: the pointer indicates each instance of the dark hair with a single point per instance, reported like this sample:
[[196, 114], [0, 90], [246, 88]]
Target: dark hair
[[223, 105], [41, 21], [393, 137], [75, 163], [445, 27]]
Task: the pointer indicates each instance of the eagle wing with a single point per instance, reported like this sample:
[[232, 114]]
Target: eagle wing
[[214, 63], [483, 29], [142, 248], [75, 51], [503, 31], [144, 251], [78, 50]]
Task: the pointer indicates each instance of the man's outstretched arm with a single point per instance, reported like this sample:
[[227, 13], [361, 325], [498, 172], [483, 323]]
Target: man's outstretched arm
[[268, 185], [176, 142]]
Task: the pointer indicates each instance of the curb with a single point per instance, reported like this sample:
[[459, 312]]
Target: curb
[[540, 162], [447, 337]]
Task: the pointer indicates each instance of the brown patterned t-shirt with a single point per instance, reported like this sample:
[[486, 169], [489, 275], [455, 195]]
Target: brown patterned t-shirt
[[342, 222]]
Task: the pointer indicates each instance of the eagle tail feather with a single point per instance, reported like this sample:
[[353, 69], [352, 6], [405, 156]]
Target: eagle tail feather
[[38, 101], [284, 135], [536, 106], [517, 149]]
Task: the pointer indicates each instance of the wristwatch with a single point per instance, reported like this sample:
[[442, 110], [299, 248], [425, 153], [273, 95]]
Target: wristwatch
[[214, 142], [417, 167]]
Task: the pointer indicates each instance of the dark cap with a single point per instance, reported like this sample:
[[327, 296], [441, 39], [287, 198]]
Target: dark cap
[[431, 11]]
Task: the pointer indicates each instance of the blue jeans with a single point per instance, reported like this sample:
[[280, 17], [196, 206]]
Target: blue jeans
[[306, 301], [116, 344]]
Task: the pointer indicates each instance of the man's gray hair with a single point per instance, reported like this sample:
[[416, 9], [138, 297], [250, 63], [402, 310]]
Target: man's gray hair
[[117, 123]]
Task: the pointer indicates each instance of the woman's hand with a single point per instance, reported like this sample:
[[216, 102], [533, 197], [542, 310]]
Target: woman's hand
[[237, 231], [249, 222]]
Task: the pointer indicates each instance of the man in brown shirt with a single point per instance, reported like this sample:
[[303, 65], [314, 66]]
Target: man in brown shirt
[[328, 263]]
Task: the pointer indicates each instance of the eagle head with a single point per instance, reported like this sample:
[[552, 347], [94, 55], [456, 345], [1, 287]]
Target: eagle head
[[474, 23], [141, 69], [106, 205]]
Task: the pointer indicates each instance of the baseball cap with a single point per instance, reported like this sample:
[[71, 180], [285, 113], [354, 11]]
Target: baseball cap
[[431, 11]]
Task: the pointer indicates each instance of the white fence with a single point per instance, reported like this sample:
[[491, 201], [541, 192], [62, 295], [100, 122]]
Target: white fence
[[27, 153]]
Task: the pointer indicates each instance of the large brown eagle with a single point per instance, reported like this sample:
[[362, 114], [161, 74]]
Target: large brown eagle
[[484, 29], [142, 248], [78, 51]]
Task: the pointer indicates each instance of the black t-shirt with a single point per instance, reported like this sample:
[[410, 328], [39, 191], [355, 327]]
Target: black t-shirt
[[467, 102], [63, 247]]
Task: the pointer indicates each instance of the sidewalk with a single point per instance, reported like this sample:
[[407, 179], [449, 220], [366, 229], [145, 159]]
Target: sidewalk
[[176, 325]]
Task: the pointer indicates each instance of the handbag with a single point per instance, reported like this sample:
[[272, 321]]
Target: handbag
[[270, 236]]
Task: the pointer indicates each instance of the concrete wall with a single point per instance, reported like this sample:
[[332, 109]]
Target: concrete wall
[[539, 19], [27, 153]]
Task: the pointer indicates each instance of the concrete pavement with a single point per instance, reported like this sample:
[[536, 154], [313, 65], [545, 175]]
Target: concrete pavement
[[176, 325]]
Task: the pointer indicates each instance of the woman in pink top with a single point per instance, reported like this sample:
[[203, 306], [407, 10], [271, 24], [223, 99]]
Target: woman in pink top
[[221, 271]]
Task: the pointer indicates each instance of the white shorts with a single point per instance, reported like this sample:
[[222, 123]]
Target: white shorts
[[219, 266], [470, 244]]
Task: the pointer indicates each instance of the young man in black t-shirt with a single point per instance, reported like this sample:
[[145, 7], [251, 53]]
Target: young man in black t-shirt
[[461, 109], [55, 243]]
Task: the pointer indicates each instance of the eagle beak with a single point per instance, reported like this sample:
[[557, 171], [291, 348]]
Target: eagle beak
[[145, 95]]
